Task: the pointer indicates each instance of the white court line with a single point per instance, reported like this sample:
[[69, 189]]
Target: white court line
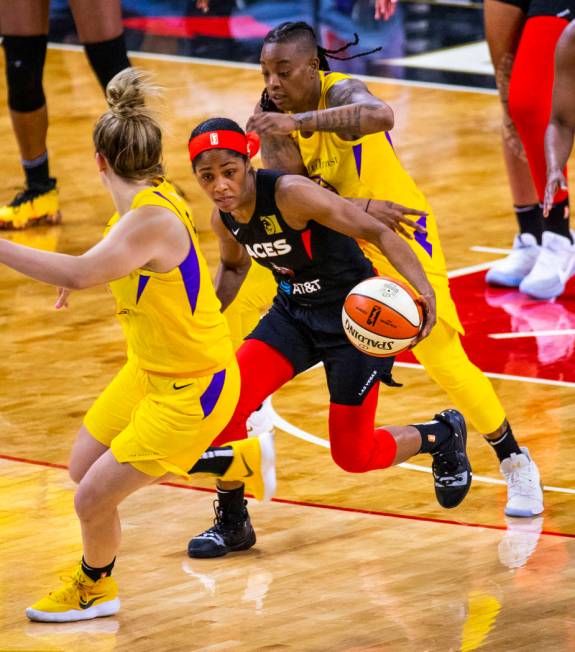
[[490, 250], [511, 336], [284, 425], [463, 271], [489, 374], [177, 58]]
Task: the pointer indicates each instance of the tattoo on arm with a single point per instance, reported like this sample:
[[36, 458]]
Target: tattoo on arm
[[350, 106]]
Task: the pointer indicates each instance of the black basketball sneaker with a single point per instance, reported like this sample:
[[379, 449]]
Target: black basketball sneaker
[[231, 531], [451, 467]]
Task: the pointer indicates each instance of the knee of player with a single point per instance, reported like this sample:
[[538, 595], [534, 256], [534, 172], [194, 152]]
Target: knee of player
[[25, 57], [525, 109], [87, 501], [348, 460]]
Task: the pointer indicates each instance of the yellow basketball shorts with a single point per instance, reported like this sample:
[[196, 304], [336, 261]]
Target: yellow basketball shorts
[[162, 424]]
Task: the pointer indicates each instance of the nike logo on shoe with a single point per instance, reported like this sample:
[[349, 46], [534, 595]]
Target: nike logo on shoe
[[248, 468], [89, 603]]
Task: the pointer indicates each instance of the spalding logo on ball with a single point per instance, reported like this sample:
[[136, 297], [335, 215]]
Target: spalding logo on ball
[[381, 316]]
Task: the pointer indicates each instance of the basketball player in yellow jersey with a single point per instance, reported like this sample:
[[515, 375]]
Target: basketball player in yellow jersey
[[330, 127], [180, 385]]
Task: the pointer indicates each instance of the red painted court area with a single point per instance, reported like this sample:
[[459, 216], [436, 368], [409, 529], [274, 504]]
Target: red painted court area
[[539, 336]]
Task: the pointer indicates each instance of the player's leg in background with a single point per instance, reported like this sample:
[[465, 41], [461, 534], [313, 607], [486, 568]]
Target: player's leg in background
[[534, 69], [447, 363], [101, 31], [24, 27], [503, 28]]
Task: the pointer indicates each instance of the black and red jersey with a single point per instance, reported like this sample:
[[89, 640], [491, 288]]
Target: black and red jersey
[[312, 267]]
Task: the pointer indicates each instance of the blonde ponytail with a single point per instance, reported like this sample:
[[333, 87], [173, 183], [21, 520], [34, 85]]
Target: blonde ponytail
[[127, 134]]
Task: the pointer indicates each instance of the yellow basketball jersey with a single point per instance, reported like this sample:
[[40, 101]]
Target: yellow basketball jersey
[[172, 320], [368, 167]]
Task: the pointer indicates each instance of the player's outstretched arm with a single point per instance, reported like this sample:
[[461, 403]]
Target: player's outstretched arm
[[146, 237], [561, 130], [300, 200], [234, 264]]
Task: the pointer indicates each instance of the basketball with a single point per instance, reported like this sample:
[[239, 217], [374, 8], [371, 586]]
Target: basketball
[[381, 316]]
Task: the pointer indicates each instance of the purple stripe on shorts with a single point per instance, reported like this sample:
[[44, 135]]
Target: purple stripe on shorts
[[357, 154], [213, 392], [421, 238], [142, 282]]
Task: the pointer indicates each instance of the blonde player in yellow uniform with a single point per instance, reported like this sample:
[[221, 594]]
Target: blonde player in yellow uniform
[[180, 384], [330, 127], [341, 133]]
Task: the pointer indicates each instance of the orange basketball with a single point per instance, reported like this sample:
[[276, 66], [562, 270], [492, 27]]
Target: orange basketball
[[381, 316]]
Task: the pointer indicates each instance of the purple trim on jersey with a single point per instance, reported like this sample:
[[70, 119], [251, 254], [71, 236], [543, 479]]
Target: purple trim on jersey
[[190, 268], [142, 282], [357, 154], [421, 238], [156, 192], [211, 396], [389, 138], [190, 271]]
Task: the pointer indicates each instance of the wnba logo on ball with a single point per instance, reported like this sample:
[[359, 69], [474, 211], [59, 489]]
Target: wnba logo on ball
[[381, 317], [373, 315]]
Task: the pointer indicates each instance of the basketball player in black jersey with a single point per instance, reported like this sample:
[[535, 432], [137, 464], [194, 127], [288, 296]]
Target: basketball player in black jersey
[[304, 235]]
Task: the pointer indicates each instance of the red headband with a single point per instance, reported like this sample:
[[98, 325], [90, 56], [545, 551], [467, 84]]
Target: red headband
[[247, 145]]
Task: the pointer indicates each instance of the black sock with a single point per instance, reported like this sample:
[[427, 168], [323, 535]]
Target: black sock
[[232, 501], [504, 445], [530, 220], [97, 573], [215, 461], [433, 434], [558, 220], [107, 58], [37, 173]]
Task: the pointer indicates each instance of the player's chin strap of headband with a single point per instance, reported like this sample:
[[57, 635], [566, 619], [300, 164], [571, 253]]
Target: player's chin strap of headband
[[247, 144]]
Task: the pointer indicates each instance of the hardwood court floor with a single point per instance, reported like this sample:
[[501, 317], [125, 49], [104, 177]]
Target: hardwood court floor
[[382, 567]]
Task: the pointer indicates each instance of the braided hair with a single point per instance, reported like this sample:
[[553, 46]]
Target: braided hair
[[300, 30]]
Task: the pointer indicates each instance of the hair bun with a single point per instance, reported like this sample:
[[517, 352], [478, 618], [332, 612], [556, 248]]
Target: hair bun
[[126, 93]]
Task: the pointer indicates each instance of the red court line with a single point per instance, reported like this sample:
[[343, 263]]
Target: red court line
[[298, 503]]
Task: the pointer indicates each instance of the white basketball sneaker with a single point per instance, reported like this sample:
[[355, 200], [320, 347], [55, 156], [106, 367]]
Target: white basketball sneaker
[[524, 493], [512, 269], [262, 419], [554, 267]]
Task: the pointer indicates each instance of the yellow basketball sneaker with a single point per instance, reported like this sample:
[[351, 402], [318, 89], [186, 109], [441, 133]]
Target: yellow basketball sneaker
[[31, 207], [81, 598], [254, 465]]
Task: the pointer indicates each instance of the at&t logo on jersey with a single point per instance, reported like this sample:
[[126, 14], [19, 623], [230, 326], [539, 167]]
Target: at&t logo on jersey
[[308, 287], [269, 249]]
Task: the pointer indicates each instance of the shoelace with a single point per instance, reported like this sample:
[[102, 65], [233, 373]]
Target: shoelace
[[519, 480], [72, 584], [220, 526]]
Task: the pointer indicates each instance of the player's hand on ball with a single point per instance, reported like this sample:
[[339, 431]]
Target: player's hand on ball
[[427, 304], [394, 216], [271, 124]]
